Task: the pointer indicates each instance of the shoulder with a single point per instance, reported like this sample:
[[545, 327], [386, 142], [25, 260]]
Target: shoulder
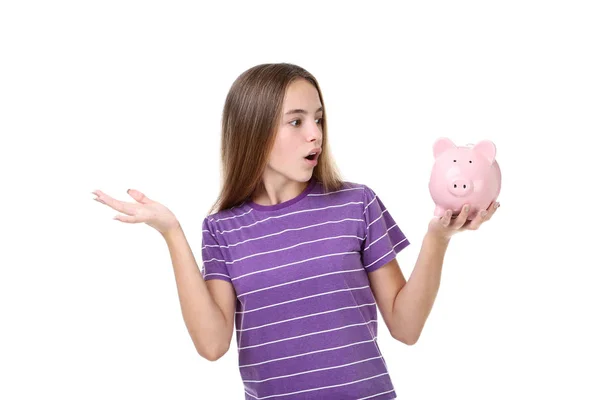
[[357, 190], [349, 193], [345, 191], [225, 218], [345, 186]]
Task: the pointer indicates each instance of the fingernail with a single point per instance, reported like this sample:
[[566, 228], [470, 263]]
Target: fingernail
[[466, 208], [497, 205], [483, 213]]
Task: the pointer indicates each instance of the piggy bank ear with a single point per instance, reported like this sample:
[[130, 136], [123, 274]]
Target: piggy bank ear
[[441, 145], [487, 149]]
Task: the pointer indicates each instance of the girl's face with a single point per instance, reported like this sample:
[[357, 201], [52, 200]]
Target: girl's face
[[300, 131]]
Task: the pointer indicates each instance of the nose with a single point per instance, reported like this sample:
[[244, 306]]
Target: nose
[[460, 187], [315, 134]]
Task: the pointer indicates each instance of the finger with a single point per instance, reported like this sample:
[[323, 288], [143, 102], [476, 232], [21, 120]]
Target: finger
[[126, 218], [99, 196], [476, 222], [492, 210], [445, 219], [461, 218], [125, 208], [138, 196]]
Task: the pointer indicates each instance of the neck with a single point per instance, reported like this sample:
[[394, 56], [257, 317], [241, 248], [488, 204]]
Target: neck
[[272, 192]]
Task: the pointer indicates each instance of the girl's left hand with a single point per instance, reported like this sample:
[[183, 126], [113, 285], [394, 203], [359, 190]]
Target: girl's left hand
[[445, 227]]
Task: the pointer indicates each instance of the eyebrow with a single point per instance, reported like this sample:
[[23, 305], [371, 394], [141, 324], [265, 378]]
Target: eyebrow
[[301, 111]]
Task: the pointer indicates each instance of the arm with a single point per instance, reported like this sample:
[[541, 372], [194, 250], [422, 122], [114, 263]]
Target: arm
[[208, 307], [412, 304], [405, 306]]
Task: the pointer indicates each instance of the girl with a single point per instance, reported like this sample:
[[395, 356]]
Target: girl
[[296, 258]]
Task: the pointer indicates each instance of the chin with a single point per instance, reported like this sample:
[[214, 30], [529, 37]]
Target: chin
[[307, 177], [298, 176]]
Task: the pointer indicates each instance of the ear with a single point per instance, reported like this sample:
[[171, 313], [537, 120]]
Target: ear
[[441, 145], [486, 148]]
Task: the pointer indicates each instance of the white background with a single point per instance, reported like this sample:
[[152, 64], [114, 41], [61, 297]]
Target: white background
[[119, 94]]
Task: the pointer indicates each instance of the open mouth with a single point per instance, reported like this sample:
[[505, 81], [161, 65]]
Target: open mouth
[[311, 157]]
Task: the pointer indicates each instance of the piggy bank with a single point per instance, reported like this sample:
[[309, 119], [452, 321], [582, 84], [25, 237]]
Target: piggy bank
[[464, 175]]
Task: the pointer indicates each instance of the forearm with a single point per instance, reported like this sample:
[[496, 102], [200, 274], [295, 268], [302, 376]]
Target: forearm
[[203, 318], [415, 300]]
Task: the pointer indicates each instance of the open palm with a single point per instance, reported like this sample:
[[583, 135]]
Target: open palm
[[144, 210], [447, 225]]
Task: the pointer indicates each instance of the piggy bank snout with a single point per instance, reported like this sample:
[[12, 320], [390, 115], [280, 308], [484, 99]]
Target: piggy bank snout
[[460, 187]]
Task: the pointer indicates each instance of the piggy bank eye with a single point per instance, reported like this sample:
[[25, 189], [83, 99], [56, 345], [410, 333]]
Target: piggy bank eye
[[454, 160], [470, 161]]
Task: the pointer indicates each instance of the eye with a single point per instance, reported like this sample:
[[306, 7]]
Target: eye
[[454, 160], [470, 161], [297, 120]]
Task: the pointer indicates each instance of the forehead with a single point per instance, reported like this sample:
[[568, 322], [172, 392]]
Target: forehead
[[301, 94]]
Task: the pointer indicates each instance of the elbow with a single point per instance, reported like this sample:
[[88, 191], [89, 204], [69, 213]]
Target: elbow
[[406, 338], [213, 358], [209, 356], [411, 341], [212, 354]]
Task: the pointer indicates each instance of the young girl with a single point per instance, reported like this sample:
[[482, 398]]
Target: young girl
[[295, 257]]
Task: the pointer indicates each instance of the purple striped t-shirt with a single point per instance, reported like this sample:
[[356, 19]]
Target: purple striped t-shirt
[[306, 318]]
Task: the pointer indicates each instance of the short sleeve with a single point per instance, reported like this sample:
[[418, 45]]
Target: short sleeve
[[213, 262], [384, 238]]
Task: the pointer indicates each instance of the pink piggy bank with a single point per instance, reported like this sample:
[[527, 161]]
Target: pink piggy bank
[[464, 175]]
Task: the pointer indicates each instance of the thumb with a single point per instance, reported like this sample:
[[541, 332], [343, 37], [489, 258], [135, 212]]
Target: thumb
[[138, 196]]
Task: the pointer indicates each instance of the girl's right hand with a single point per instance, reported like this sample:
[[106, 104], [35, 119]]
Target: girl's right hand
[[145, 210]]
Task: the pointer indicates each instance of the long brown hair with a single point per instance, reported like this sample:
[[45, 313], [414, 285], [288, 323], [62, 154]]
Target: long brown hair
[[250, 120]]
